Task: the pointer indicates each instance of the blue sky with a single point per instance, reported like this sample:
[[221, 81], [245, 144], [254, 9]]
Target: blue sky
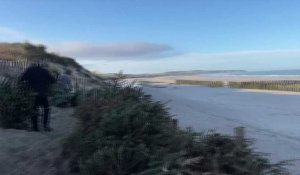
[[139, 36]]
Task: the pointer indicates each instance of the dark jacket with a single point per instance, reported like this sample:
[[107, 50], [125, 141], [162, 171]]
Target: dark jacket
[[39, 79]]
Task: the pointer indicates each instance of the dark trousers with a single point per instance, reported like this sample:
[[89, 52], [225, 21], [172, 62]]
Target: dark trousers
[[41, 101]]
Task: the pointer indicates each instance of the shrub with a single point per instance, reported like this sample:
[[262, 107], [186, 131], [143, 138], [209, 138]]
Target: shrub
[[62, 98], [283, 85], [123, 131], [221, 154], [16, 105], [201, 83], [127, 123]]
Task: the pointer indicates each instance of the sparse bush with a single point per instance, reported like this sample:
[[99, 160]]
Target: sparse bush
[[201, 83], [234, 84], [16, 105], [61, 98], [34, 52], [284, 85]]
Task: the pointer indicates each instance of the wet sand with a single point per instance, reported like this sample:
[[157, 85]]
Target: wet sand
[[272, 119], [224, 78]]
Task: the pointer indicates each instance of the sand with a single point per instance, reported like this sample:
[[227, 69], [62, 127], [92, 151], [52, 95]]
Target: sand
[[270, 92], [211, 77], [35, 153], [166, 80], [272, 119]]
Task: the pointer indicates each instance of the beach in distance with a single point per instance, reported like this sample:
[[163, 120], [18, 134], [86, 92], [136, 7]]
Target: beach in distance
[[219, 77]]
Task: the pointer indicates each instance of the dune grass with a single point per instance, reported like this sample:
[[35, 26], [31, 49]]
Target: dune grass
[[293, 86], [280, 85], [201, 83]]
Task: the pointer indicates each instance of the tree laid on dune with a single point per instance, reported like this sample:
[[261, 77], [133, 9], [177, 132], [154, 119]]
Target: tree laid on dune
[[123, 131]]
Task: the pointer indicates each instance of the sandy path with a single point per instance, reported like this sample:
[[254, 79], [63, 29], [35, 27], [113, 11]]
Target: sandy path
[[273, 120], [35, 153]]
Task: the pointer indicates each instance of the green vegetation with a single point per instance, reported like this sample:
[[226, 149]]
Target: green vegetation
[[201, 83], [122, 131], [16, 105], [284, 85], [22, 55], [61, 98], [268, 85], [145, 82], [32, 52]]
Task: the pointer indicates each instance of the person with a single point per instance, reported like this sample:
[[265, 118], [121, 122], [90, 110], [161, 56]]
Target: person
[[65, 81], [39, 80]]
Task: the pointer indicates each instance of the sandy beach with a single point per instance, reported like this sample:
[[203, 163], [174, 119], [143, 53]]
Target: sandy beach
[[216, 77], [271, 119]]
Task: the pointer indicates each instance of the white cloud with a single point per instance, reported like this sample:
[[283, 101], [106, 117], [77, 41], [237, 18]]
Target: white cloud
[[124, 55], [116, 51], [241, 60], [91, 51]]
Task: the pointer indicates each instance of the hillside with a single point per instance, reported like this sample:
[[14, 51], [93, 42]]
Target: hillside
[[56, 63]]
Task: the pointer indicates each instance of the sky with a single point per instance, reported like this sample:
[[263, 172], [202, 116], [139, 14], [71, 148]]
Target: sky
[[149, 36]]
